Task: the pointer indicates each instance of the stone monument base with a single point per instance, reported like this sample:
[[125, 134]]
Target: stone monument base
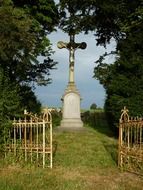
[[71, 108], [70, 123]]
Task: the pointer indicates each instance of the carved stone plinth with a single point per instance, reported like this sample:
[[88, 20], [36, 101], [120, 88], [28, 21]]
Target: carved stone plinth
[[71, 107]]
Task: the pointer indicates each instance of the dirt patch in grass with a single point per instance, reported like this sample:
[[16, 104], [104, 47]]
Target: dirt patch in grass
[[114, 181]]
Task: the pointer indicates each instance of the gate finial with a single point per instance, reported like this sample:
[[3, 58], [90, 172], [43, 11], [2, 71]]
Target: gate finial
[[124, 115]]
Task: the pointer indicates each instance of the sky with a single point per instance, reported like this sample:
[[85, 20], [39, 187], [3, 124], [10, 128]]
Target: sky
[[90, 89]]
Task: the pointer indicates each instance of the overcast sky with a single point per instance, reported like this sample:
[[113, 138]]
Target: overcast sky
[[90, 89]]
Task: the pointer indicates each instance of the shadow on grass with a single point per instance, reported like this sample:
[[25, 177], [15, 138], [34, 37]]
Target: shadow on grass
[[97, 121], [109, 141], [112, 149], [55, 147]]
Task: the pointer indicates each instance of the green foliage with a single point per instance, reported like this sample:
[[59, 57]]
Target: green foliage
[[93, 106], [13, 100], [43, 11], [123, 80], [95, 119], [123, 21], [28, 100], [91, 15], [24, 38], [56, 118], [9, 104]]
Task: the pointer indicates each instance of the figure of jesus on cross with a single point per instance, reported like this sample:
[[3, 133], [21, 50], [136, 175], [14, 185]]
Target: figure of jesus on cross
[[71, 46]]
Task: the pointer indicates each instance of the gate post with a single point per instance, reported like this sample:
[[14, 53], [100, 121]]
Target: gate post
[[51, 142], [120, 158], [43, 143], [123, 119]]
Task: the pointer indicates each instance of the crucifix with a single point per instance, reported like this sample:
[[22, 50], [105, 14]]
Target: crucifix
[[71, 116], [71, 46]]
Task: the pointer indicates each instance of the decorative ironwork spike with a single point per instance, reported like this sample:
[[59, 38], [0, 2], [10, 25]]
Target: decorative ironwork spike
[[25, 112], [124, 114], [14, 120], [124, 110]]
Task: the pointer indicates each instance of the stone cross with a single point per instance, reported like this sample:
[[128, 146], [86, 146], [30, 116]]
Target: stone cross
[[71, 46]]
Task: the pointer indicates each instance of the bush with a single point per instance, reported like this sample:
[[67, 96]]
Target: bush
[[93, 106], [56, 118]]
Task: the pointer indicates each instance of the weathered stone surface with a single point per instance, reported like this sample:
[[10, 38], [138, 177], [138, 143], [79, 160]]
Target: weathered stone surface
[[71, 123], [71, 108]]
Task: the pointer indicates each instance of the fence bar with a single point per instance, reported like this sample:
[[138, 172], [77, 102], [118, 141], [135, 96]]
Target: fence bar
[[31, 138], [128, 136], [25, 141], [37, 140], [51, 148], [43, 144], [14, 141]]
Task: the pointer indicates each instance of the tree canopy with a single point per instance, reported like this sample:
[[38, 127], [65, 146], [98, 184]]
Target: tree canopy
[[93, 106], [25, 49], [106, 18]]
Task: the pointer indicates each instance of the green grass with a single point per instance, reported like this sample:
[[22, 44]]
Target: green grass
[[84, 149], [84, 160]]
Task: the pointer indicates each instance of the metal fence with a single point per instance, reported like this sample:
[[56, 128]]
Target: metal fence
[[130, 155], [32, 138]]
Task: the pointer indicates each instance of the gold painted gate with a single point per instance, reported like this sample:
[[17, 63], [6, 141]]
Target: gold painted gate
[[32, 138], [130, 155]]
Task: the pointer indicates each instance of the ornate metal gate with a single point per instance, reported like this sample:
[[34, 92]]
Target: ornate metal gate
[[130, 155], [32, 138]]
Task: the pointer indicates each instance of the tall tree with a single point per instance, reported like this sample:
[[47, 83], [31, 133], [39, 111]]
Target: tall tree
[[123, 80], [25, 53]]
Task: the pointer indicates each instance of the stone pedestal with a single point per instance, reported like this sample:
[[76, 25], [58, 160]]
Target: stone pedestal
[[71, 108]]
